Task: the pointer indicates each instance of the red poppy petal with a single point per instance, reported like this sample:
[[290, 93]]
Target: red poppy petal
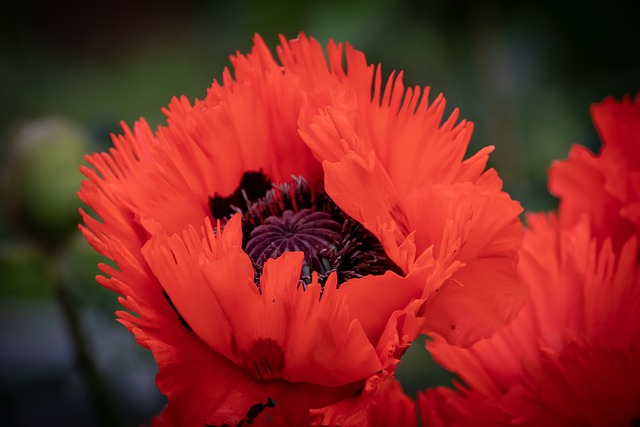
[[176, 261], [199, 383], [105, 191], [618, 124], [464, 221], [381, 401], [336, 345], [604, 187], [444, 407], [392, 407], [294, 400], [314, 333], [305, 57], [202, 386], [373, 299], [363, 191], [578, 288], [586, 383], [170, 175], [478, 300], [261, 109], [403, 327], [401, 127], [481, 228], [579, 183], [579, 283]]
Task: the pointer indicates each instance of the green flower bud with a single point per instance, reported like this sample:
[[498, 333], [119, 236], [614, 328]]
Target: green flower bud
[[42, 178]]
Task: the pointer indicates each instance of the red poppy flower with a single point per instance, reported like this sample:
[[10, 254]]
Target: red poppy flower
[[571, 357], [280, 243]]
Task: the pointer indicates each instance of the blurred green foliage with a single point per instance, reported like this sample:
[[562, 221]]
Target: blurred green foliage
[[524, 72]]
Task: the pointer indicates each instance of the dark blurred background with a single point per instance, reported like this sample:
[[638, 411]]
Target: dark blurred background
[[524, 72]]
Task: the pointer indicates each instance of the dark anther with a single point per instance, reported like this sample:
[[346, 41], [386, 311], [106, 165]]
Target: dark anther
[[253, 186], [359, 253]]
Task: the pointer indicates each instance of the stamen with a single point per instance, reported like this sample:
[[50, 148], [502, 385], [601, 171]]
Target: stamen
[[297, 216]]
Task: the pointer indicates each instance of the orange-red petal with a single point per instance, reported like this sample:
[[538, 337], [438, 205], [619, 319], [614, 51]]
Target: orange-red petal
[[300, 335]]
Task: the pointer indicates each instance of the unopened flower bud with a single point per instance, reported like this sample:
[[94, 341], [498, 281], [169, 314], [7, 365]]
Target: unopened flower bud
[[42, 178]]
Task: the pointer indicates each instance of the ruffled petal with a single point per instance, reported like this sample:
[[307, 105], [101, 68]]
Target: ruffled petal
[[465, 222], [169, 175], [481, 230], [618, 124], [478, 300], [380, 401], [578, 289], [392, 407], [588, 382], [420, 198], [444, 407], [604, 187], [176, 262], [378, 209], [279, 330], [571, 355], [373, 298], [401, 127], [319, 332], [203, 387], [381, 398]]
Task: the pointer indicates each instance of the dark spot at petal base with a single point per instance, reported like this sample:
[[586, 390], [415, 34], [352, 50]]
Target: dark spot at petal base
[[264, 360]]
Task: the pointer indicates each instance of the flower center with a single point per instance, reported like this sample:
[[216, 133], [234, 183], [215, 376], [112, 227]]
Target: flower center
[[298, 216], [307, 231]]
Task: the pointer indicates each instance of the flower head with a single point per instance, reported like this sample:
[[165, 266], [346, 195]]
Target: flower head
[[282, 241], [571, 357]]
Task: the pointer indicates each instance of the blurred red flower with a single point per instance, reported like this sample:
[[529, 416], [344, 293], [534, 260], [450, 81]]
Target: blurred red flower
[[281, 242], [606, 187], [572, 356]]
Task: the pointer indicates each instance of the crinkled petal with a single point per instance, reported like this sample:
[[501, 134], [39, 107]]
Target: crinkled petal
[[279, 330], [381, 402], [374, 298], [604, 187], [587, 382], [203, 387]]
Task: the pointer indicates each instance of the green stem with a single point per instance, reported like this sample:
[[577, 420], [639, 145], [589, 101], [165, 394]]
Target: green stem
[[98, 391]]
